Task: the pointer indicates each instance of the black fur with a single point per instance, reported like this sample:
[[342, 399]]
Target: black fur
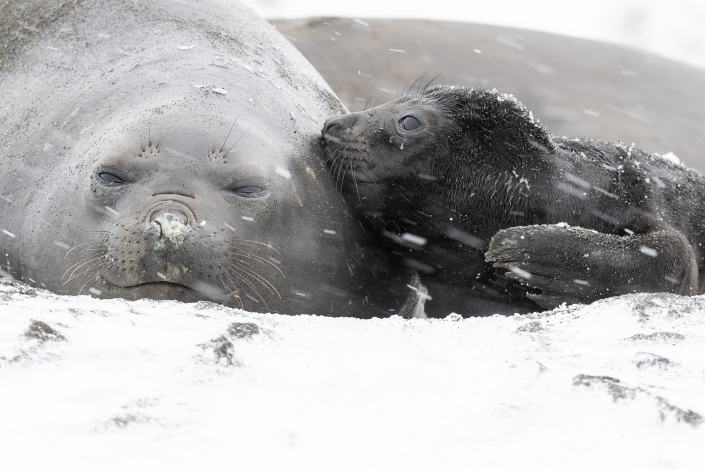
[[483, 184]]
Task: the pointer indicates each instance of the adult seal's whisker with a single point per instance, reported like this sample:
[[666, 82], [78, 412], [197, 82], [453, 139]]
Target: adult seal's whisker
[[260, 260], [232, 293], [266, 245], [248, 283], [82, 244], [81, 263], [222, 147], [259, 278]]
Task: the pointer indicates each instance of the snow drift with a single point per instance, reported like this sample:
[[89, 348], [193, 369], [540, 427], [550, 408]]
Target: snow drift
[[89, 383]]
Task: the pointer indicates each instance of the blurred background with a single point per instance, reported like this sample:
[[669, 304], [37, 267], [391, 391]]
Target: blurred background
[[671, 28], [619, 70]]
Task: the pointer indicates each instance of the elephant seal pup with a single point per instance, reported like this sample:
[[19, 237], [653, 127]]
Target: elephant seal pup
[[457, 178], [168, 150]]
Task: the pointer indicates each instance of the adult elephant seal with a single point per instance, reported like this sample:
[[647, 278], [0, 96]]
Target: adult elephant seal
[[461, 180], [163, 150]]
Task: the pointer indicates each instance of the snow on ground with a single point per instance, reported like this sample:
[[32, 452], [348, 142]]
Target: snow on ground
[[671, 28], [103, 384]]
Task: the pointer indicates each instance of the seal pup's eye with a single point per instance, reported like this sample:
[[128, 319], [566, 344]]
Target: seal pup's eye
[[249, 191], [409, 123], [110, 179]]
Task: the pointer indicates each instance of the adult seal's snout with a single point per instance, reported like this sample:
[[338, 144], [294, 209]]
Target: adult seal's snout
[[170, 221]]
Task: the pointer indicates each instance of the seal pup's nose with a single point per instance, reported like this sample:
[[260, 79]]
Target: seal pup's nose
[[336, 123]]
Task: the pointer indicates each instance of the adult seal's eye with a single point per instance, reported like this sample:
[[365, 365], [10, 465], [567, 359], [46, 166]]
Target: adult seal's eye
[[249, 191], [110, 179], [409, 123]]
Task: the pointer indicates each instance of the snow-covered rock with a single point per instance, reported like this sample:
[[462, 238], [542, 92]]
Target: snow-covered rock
[[112, 384]]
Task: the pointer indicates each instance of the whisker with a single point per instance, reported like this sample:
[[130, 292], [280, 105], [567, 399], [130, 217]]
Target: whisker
[[236, 274], [229, 289], [368, 128], [420, 81], [228, 136], [81, 263], [82, 244], [369, 173], [355, 180], [260, 260], [329, 153], [371, 111], [429, 83], [233, 146], [89, 280], [243, 240], [331, 169], [88, 269], [159, 142], [338, 167], [403, 89], [92, 267], [337, 177], [411, 87], [262, 281]]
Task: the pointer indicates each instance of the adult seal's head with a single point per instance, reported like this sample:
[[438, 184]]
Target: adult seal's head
[[166, 150]]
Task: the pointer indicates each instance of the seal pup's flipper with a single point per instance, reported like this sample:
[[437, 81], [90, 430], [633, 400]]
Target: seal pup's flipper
[[578, 265]]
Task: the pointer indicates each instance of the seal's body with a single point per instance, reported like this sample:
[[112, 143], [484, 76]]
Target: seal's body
[[455, 179], [168, 150]]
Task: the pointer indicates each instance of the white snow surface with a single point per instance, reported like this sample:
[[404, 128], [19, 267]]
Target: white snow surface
[[163, 384], [673, 28]]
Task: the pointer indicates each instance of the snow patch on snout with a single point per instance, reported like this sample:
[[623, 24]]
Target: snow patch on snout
[[172, 228]]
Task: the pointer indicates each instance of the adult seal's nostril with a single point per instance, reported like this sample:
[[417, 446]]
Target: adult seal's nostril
[[172, 226], [170, 219], [176, 208]]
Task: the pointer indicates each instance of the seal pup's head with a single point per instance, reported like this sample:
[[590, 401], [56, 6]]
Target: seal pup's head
[[425, 160]]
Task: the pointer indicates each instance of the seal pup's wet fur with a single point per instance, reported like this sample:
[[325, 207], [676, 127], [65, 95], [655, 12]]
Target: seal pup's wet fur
[[473, 193]]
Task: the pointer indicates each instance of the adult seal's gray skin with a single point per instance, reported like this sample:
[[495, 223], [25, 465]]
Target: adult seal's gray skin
[[462, 180], [163, 150]]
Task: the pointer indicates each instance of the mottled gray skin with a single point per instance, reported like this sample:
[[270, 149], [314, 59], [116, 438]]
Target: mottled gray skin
[[482, 183], [168, 150]]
